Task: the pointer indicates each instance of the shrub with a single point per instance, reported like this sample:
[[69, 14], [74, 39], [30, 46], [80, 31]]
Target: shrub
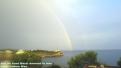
[[119, 62], [89, 57]]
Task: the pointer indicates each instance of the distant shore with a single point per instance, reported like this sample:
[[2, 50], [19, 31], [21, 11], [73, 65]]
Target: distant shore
[[42, 53]]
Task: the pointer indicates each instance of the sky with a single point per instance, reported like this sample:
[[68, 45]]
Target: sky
[[60, 24]]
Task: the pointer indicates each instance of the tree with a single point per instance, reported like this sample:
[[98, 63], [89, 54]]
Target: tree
[[119, 62], [89, 57], [54, 66]]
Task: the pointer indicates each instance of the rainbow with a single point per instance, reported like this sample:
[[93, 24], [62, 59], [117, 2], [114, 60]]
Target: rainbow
[[48, 7]]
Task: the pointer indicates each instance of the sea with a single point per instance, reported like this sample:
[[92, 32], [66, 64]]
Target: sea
[[109, 57]]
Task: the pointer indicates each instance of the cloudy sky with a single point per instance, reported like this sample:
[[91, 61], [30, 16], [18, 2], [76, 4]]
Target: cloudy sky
[[60, 24]]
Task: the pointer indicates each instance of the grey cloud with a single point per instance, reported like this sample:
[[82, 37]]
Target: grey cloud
[[30, 25]]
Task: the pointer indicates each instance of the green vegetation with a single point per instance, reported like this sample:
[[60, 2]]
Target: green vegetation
[[27, 56], [54, 66], [119, 62], [41, 53], [89, 57]]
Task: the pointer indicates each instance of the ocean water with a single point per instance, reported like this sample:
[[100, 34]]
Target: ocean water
[[109, 57]]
